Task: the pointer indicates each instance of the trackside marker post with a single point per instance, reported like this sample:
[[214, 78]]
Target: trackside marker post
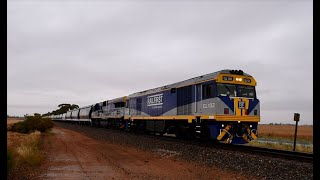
[[296, 118]]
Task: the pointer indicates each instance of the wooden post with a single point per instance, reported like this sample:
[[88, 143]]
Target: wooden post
[[296, 118]]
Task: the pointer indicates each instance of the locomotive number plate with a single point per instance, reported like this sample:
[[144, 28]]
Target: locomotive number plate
[[241, 105], [227, 78]]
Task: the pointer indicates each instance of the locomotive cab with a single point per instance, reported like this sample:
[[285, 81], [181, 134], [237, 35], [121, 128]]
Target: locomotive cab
[[236, 112]]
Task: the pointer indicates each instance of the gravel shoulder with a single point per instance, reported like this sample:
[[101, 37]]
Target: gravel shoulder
[[224, 164], [77, 155]]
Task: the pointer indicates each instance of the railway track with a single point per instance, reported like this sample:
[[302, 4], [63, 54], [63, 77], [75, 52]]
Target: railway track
[[290, 155], [283, 154]]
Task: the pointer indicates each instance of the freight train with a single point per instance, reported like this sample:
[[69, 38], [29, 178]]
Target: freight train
[[220, 106]]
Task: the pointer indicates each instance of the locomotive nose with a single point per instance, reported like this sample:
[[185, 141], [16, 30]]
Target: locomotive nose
[[236, 133], [239, 129]]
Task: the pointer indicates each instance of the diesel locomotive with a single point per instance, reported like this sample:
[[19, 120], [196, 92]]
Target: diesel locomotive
[[220, 106]]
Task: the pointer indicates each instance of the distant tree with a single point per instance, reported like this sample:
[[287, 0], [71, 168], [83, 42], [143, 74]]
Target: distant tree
[[37, 114], [46, 114], [63, 108], [74, 106], [61, 105]]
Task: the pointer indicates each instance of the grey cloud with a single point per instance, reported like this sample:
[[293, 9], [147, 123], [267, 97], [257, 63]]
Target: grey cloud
[[86, 52]]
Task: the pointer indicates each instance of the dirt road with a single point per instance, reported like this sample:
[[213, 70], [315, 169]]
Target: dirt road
[[71, 155]]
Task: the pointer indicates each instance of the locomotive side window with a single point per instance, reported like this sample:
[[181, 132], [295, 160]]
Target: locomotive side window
[[119, 104], [246, 91], [227, 90], [207, 91]]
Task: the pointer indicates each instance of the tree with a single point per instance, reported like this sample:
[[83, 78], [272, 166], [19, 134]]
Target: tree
[[63, 108], [37, 114], [74, 106]]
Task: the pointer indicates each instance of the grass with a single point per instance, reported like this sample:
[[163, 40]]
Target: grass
[[29, 150], [23, 149], [14, 120], [11, 159], [282, 146], [285, 132], [24, 141]]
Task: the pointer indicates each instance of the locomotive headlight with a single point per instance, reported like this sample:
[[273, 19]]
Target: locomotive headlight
[[238, 121], [250, 125], [238, 79], [222, 125]]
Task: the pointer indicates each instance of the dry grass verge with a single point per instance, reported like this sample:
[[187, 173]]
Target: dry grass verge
[[25, 141], [282, 146], [304, 133], [285, 132], [23, 149]]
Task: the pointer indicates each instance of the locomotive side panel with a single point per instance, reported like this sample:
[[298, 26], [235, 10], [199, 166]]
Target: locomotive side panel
[[156, 104], [68, 116], [84, 114], [75, 115]]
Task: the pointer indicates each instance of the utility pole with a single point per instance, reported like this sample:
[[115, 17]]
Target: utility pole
[[296, 118]]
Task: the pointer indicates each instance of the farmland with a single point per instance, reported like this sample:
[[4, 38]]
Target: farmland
[[304, 133], [283, 135], [14, 120]]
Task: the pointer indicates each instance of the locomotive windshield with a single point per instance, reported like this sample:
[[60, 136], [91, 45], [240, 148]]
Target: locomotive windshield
[[233, 90], [246, 91], [227, 90]]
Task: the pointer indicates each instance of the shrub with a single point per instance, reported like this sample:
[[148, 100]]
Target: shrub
[[30, 154], [33, 123], [26, 152], [10, 160]]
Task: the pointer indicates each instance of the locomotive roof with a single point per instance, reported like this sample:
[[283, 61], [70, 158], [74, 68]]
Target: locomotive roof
[[184, 83]]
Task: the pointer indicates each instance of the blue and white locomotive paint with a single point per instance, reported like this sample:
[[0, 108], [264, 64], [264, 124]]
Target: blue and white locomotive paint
[[222, 106]]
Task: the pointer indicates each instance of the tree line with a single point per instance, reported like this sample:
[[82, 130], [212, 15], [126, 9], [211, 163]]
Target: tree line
[[63, 108]]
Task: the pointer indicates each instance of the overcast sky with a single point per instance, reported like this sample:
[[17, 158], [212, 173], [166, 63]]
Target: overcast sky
[[83, 52]]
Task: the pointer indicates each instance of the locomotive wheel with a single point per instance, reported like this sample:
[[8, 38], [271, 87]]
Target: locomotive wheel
[[178, 134], [205, 134], [183, 132]]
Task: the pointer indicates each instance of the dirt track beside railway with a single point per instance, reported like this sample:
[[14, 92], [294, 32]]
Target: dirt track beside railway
[[72, 155]]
